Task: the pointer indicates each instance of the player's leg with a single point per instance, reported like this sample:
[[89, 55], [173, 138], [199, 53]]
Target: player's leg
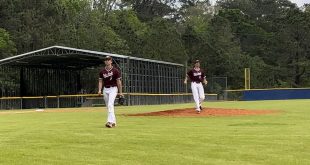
[[106, 97], [111, 114], [106, 94], [201, 93], [195, 95]]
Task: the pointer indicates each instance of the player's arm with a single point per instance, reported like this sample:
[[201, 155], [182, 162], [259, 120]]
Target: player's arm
[[119, 86], [185, 80], [186, 77], [100, 85], [119, 83], [204, 79]]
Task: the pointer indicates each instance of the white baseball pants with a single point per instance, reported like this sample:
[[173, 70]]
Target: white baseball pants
[[198, 94], [109, 95]]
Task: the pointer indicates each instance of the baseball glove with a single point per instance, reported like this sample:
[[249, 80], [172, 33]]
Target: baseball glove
[[121, 100]]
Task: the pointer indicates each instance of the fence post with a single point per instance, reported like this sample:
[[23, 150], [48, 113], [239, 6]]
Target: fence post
[[45, 102], [58, 102], [225, 94], [128, 99], [21, 103]]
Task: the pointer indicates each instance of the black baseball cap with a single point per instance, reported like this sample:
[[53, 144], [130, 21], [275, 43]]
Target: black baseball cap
[[107, 58]]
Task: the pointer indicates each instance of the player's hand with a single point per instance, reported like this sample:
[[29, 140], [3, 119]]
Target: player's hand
[[205, 82], [121, 94], [185, 82], [121, 99], [99, 93]]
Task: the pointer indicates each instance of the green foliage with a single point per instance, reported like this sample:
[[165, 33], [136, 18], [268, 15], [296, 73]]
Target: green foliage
[[307, 7], [7, 46], [270, 37], [293, 47], [224, 55], [129, 28], [252, 37], [163, 42], [195, 21], [147, 10]]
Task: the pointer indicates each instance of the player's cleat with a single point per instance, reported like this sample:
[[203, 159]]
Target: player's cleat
[[200, 107], [198, 112], [113, 124], [109, 125]]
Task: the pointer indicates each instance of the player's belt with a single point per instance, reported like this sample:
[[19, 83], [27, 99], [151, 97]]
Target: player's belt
[[110, 86], [196, 82]]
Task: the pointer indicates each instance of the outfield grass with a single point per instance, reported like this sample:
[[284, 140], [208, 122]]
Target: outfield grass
[[65, 138]]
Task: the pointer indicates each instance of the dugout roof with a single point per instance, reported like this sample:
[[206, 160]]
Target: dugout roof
[[67, 58]]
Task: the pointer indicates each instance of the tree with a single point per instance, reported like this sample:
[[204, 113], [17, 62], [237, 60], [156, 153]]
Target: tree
[[7, 46], [128, 26], [163, 42], [254, 40], [271, 30], [307, 7], [147, 10], [105, 6], [258, 9], [87, 28], [195, 17], [224, 57], [31, 23], [293, 47]]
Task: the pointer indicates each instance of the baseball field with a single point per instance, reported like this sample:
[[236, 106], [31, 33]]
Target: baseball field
[[78, 136]]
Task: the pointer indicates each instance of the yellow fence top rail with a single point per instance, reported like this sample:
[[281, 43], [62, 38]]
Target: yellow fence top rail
[[96, 95]]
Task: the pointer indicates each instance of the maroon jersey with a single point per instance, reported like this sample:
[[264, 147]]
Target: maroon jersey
[[196, 75], [109, 77]]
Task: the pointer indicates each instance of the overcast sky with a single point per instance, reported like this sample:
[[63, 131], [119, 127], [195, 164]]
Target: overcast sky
[[300, 2]]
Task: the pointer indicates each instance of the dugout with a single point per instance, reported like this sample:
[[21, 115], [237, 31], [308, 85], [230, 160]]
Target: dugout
[[61, 76]]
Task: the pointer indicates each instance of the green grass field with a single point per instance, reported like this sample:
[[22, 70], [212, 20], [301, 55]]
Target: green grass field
[[65, 138]]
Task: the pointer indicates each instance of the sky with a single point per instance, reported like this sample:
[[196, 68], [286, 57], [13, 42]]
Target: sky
[[300, 2]]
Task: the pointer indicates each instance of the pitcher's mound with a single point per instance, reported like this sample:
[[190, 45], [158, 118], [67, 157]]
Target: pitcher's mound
[[206, 112]]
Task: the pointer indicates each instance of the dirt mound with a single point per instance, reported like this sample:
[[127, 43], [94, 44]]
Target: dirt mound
[[206, 112]]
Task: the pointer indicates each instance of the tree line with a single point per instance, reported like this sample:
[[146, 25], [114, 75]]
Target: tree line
[[271, 37]]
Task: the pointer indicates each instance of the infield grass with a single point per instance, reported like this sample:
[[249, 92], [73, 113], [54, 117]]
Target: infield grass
[[64, 138]]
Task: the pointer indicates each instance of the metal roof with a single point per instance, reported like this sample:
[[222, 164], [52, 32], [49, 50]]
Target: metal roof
[[66, 57]]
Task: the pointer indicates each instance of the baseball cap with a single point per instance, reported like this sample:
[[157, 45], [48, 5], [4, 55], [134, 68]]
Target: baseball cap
[[107, 58], [196, 61]]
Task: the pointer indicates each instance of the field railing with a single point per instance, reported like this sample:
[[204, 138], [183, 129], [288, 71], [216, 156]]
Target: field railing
[[89, 100]]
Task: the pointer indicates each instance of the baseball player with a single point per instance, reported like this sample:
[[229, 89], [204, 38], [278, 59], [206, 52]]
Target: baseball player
[[110, 80], [197, 77]]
